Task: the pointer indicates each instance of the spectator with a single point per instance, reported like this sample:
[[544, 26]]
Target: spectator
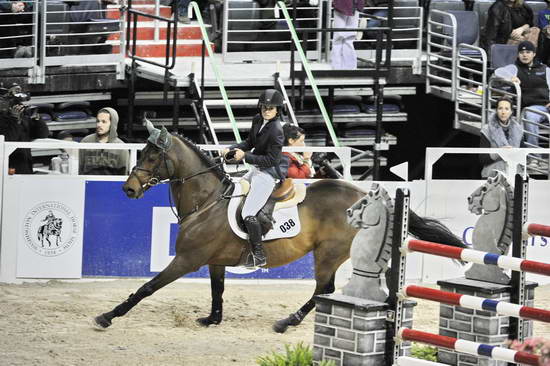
[[509, 22], [99, 161], [533, 78], [502, 130], [183, 6], [343, 55], [11, 36], [300, 165], [20, 123], [544, 25], [374, 23], [82, 14]]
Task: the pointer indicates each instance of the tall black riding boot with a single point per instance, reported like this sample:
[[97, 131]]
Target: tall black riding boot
[[257, 257]]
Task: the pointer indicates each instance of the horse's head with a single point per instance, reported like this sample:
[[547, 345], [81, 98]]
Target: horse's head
[[57, 223], [487, 197], [154, 164]]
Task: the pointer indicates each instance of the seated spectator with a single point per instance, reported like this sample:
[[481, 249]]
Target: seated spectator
[[104, 162], [509, 22], [502, 130], [15, 37], [544, 25], [300, 165], [183, 6], [82, 13], [533, 78]]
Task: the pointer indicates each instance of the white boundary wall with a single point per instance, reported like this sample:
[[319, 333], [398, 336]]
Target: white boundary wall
[[444, 200]]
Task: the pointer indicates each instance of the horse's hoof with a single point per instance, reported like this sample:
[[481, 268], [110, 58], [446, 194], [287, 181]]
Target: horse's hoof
[[207, 321], [101, 322], [280, 326]]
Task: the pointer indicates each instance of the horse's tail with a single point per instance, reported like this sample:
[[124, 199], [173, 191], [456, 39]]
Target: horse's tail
[[432, 230]]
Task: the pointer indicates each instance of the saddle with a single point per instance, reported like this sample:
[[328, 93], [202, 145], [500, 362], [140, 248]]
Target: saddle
[[285, 194]]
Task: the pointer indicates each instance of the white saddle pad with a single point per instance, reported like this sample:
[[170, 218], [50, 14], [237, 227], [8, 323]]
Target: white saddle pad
[[287, 221]]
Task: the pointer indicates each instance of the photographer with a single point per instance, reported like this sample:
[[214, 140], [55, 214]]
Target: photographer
[[20, 123]]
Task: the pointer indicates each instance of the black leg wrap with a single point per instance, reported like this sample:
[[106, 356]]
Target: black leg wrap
[[103, 321], [215, 318], [294, 319]]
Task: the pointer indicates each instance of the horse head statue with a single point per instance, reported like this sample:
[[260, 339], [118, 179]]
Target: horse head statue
[[362, 214], [155, 164], [371, 247], [493, 202], [486, 198]]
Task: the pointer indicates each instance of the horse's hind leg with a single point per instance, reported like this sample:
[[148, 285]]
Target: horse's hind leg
[[296, 318], [217, 279], [175, 270]]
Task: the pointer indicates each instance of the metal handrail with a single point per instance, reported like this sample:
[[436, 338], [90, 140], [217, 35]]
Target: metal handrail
[[465, 96], [281, 5], [432, 41], [206, 45]]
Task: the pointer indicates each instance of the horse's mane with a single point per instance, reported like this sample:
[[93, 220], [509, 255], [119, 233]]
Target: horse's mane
[[220, 173]]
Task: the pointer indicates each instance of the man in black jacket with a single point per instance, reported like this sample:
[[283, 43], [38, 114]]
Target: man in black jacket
[[20, 123], [533, 78], [263, 150]]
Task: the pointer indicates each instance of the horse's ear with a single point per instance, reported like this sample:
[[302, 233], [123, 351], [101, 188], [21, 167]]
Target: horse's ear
[[165, 139], [150, 127]]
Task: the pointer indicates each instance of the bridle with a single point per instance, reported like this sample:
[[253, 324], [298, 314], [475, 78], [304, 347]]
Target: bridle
[[155, 179]]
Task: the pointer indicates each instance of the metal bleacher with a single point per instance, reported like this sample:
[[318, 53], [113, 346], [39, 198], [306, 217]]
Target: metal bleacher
[[459, 70]]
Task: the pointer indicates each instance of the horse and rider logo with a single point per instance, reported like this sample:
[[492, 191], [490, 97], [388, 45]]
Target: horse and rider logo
[[50, 228]]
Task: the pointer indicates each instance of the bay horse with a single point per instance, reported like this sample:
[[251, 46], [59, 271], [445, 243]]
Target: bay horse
[[199, 185]]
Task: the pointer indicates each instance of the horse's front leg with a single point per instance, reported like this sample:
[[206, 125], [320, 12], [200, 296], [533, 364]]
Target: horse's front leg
[[294, 319], [177, 268], [217, 279]]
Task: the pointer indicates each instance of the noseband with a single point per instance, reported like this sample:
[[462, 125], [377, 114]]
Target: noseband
[[154, 176]]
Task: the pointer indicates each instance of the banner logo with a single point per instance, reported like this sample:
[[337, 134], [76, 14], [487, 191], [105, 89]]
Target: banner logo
[[50, 228]]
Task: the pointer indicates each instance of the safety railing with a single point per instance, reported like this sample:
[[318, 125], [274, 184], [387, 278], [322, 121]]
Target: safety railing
[[80, 36], [470, 104], [73, 148], [441, 50], [19, 22], [252, 32], [206, 47], [536, 135], [514, 157], [406, 34], [55, 33], [307, 70]]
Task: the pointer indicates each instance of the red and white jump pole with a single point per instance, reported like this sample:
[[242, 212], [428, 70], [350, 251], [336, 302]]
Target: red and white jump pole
[[536, 229], [477, 303], [476, 256], [471, 348]]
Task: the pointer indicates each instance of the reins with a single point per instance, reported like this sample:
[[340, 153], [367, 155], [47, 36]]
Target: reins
[[155, 180]]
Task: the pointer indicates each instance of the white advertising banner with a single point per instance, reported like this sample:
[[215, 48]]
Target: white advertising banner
[[49, 227]]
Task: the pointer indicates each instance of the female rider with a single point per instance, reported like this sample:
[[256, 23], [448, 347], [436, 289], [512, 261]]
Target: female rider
[[262, 150]]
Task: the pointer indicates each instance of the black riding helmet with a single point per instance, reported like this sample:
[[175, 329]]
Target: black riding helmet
[[271, 98]]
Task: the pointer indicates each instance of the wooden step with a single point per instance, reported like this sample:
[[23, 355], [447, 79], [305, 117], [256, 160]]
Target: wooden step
[[113, 11], [146, 31], [158, 48]]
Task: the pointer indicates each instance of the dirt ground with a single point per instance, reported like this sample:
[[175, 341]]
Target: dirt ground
[[50, 323]]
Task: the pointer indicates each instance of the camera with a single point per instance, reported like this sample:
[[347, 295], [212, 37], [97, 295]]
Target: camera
[[13, 97]]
